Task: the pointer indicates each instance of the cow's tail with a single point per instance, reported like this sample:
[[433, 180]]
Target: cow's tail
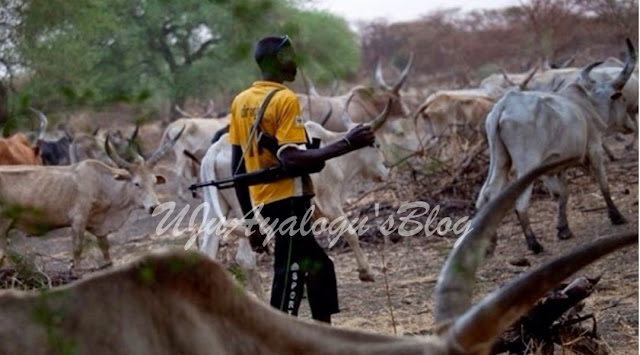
[[419, 110], [417, 114], [499, 159]]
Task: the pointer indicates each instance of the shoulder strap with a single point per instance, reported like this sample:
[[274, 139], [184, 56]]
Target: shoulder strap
[[256, 123]]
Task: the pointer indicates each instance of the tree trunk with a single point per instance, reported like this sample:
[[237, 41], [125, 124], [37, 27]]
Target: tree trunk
[[4, 105]]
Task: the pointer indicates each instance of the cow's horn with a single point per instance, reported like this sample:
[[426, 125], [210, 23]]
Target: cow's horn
[[567, 62], [134, 135], [168, 144], [403, 75], [454, 288], [113, 155], [182, 112], [506, 77], [43, 122], [379, 79], [311, 89], [585, 75], [208, 110], [524, 83], [335, 85], [379, 121], [327, 116], [344, 117], [496, 312], [625, 74]]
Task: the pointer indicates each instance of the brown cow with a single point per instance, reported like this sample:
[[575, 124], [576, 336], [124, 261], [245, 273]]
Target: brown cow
[[16, 150]]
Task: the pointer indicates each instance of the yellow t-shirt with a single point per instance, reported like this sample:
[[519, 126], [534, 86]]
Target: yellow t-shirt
[[282, 120]]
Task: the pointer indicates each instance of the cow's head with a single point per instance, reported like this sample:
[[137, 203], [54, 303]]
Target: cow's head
[[52, 151], [139, 175], [387, 92], [372, 160], [607, 97]]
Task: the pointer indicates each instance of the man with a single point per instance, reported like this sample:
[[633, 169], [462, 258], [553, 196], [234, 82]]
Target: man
[[299, 259]]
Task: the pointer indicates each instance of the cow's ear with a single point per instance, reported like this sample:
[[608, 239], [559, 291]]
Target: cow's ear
[[160, 179], [121, 176], [616, 96]]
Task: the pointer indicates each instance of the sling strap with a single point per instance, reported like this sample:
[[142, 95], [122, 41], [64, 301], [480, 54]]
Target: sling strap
[[255, 126]]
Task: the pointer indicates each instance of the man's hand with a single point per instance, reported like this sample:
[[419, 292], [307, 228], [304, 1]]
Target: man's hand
[[360, 136]]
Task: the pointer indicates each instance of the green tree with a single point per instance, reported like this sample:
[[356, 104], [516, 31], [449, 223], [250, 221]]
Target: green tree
[[98, 51]]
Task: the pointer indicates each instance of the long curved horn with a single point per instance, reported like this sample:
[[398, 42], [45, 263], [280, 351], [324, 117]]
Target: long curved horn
[[567, 62], [506, 77], [134, 135], [327, 116], [182, 112], [523, 84], [113, 155], [484, 322], [379, 79], [625, 74], [344, 117], [403, 75], [420, 109], [311, 89], [455, 284], [155, 157], [43, 122], [334, 87], [585, 75], [208, 110], [382, 117]]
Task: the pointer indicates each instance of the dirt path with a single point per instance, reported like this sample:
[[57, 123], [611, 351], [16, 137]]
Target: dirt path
[[413, 263]]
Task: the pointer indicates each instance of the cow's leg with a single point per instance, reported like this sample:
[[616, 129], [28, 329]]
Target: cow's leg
[[246, 258], [4, 239], [364, 269], [521, 211], [609, 153], [77, 231], [558, 187], [597, 167], [499, 166], [210, 240], [103, 243]]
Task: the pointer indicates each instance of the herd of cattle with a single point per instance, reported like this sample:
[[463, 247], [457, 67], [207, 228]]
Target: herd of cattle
[[537, 123]]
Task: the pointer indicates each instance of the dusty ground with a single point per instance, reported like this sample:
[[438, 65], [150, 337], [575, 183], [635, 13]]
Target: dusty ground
[[413, 263]]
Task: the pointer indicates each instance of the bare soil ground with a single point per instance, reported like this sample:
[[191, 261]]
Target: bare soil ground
[[413, 263]]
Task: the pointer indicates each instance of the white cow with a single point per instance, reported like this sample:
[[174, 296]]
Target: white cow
[[555, 79], [195, 140], [329, 185], [89, 195], [186, 303], [366, 102], [525, 129]]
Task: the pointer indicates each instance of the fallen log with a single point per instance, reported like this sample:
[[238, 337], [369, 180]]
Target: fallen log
[[553, 320]]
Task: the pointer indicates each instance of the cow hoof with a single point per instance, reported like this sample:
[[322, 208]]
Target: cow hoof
[[365, 276], [394, 238], [617, 219], [564, 233], [535, 247], [490, 251]]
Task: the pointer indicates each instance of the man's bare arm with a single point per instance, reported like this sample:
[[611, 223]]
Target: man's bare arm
[[357, 138]]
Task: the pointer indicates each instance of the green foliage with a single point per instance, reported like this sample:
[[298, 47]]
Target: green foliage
[[96, 52]]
